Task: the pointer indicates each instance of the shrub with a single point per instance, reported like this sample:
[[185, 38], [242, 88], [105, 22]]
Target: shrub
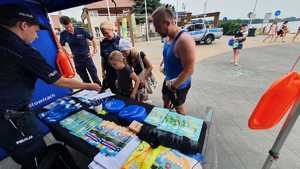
[[230, 27]]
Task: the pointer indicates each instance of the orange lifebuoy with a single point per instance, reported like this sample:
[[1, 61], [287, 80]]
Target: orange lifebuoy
[[63, 60], [275, 102], [64, 64]]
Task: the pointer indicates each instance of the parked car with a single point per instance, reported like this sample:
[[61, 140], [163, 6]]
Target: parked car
[[201, 33]]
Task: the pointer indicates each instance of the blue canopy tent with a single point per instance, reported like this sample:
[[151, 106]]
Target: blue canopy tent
[[44, 93]]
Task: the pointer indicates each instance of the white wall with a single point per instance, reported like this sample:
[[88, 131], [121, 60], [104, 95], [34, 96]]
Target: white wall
[[96, 21]]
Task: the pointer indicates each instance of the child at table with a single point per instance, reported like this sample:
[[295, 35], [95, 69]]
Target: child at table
[[125, 76]]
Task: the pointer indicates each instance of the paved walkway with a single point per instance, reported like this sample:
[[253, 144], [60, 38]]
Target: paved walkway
[[233, 92]]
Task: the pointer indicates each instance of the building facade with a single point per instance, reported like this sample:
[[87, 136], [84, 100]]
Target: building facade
[[95, 13]]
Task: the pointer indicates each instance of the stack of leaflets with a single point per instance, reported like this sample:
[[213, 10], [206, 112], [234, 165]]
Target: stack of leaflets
[[93, 98], [144, 157], [59, 110], [115, 143], [81, 122], [182, 125], [156, 116]]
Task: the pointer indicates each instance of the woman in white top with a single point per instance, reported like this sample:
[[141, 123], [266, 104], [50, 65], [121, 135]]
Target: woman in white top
[[272, 32]]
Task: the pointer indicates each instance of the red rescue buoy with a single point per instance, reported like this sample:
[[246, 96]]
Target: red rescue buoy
[[275, 102], [63, 60], [64, 64]]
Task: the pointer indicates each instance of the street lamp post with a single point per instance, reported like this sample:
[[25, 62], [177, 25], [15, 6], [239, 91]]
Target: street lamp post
[[205, 11], [177, 12], [108, 11], [253, 12], [146, 17]]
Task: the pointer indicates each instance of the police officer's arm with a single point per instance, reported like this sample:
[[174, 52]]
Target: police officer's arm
[[37, 65], [73, 84], [186, 50]]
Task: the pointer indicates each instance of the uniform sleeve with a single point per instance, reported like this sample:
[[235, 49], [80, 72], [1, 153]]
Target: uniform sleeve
[[37, 65], [87, 34], [62, 39]]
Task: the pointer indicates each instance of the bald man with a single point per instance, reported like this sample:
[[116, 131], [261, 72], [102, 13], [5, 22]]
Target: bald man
[[179, 55]]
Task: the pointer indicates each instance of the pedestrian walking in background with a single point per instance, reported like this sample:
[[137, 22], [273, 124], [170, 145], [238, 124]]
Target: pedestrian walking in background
[[239, 39], [271, 32], [297, 33], [282, 31]]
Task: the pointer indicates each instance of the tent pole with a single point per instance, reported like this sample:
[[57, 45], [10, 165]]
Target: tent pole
[[283, 134], [108, 11]]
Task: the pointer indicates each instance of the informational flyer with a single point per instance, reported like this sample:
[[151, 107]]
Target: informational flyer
[[59, 110], [109, 138], [144, 157], [156, 116], [81, 122], [182, 125], [92, 98]]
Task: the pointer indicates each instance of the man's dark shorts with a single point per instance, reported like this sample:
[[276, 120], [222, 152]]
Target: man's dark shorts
[[178, 97]]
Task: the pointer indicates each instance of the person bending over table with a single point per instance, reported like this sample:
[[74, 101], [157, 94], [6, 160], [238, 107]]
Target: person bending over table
[[125, 76], [139, 62], [179, 55], [20, 67]]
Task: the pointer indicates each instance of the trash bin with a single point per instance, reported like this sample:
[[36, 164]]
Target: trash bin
[[251, 32]]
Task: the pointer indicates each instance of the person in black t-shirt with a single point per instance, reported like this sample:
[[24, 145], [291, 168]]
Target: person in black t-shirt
[[140, 64], [20, 67], [125, 76], [239, 38]]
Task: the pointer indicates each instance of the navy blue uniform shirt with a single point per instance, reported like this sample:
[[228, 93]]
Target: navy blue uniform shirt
[[106, 47], [20, 66], [77, 41]]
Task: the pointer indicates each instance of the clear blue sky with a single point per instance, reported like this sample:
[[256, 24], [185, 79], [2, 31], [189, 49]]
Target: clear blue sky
[[229, 8]]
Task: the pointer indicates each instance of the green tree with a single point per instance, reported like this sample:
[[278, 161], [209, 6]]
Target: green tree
[[139, 8], [76, 23], [230, 27]]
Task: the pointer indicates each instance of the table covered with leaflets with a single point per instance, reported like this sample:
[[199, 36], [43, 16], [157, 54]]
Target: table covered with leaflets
[[96, 124]]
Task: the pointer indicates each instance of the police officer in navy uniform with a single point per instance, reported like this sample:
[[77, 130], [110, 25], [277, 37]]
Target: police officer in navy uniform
[[107, 45], [77, 38], [20, 67]]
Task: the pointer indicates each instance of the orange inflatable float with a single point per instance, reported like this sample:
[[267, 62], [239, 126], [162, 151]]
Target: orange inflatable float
[[275, 102], [63, 60], [64, 64]]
